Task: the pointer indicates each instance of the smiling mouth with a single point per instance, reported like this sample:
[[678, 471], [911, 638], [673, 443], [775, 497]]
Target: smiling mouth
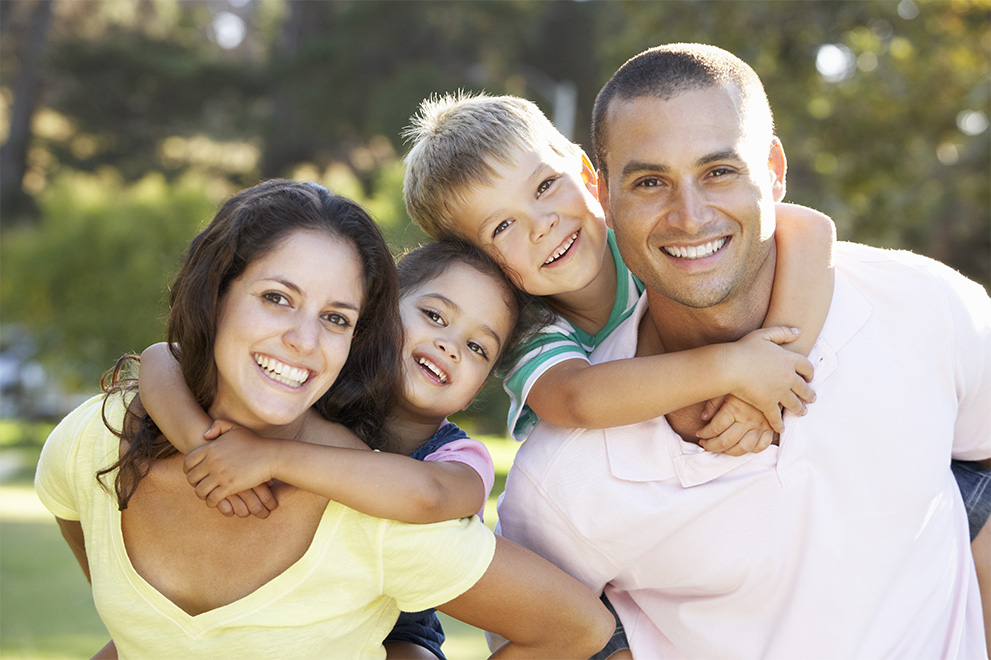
[[561, 251], [432, 368], [282, 372], [695, 251]]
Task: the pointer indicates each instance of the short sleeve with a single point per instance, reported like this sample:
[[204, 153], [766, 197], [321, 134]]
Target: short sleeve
[[58, 467], [473, 454], [556, 343], [971, 316], [428, 565]]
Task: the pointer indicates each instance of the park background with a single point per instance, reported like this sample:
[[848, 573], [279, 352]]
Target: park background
[[124, 124]]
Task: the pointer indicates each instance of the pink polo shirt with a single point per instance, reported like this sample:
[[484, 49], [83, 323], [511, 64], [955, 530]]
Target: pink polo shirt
[[848, 541]]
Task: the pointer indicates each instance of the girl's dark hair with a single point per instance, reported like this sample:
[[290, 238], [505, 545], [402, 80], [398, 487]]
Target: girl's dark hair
[[429, 261], [247, 226]]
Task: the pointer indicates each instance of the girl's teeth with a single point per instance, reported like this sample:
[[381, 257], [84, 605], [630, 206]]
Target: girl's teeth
[[423, 362], [563, 249], [695, 251], [282, 372]]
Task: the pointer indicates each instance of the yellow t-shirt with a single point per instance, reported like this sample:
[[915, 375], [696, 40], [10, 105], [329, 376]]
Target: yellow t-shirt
[[338, 601]]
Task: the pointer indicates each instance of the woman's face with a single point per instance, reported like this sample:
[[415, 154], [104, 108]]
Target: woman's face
[[285, 330]]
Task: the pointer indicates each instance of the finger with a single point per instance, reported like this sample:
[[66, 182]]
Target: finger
[[266, 496], [240, 510], [746, 443], [805, 369], [766, 438], [791, 402], [225, 508], [191, 461], [724, 440], [214, 432], [805, 393], [254, 504], [780, 334], [773, 413], [721, 421], [711, 406], [204, 487]]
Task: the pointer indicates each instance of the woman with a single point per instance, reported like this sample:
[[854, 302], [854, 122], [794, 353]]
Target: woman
[[285, 312]]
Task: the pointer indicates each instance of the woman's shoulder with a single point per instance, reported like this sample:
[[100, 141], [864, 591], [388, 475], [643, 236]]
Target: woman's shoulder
[[321, 431]]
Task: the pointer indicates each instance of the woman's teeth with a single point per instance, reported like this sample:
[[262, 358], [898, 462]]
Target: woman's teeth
[[279, 371], [695, 251], [432, 368], [561, 250]]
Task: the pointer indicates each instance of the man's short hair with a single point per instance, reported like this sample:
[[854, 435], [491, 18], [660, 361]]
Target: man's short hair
[[670, 70], [453, 138]]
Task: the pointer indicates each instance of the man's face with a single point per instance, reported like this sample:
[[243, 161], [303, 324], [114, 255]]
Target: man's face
[[691, 195]]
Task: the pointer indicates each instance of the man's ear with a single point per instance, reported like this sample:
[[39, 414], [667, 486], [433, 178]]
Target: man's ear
[[777, 167], [604, 198]]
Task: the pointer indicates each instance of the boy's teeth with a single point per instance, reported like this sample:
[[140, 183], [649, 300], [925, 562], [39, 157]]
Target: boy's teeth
[[562, 249], [282, 372], [695, 251], [433, 368]]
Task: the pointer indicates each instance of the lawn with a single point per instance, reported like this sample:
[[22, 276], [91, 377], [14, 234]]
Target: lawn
[[46, 610]]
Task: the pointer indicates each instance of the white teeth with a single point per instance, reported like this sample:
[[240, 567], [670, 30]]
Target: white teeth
[[562, 249], [434, 369], [282, 372], [695, 251]]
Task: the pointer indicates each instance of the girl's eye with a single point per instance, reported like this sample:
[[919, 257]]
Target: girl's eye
[[544, 185], [475, 347], [433, 315], [339, 320], [501, 227], [275, 298]]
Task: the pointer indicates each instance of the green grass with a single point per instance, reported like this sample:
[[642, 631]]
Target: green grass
[[46, 608]]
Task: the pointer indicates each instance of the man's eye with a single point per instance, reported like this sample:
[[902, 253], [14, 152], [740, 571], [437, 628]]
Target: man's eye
[[720, 172], [649, 182], [501, 227], [478, 348]]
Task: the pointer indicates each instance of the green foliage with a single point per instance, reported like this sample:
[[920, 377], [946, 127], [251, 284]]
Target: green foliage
[[90, 280]]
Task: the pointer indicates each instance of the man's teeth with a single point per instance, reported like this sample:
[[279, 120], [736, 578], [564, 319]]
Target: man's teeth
[[423, 362], [561, 250], [695, 251], [282, 372]]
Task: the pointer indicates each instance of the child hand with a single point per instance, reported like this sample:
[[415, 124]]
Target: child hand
[[239, 462], [737, 428], [771, 377], [258, 501]]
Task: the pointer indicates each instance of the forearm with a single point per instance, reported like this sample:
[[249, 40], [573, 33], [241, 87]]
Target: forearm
[[620, 392], [803, 279], [169, 402], [383, 485]]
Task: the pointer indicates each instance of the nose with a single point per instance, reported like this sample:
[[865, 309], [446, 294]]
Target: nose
[[448, 347], [302, 336], [688, 211], [541, 225]]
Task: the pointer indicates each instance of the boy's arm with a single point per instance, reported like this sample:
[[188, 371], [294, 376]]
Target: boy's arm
[[378, 484], [803, 276], [577, 394], [182, 421]]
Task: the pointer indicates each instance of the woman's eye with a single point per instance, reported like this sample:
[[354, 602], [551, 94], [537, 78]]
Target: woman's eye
[[275, 298], [501, 227], [478, 348], [339, 320], [544, 185]]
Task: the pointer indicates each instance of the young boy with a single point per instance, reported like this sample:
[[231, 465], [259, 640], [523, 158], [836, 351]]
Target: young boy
[[495, 172]]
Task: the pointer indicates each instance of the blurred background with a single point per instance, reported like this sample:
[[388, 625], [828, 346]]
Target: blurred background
[[124, 124]]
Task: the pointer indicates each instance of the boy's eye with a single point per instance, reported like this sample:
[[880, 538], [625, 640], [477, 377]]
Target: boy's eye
[[544, 185], [501, 227], [475, 347]]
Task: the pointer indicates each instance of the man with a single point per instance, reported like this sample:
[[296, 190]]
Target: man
[[847, 539]]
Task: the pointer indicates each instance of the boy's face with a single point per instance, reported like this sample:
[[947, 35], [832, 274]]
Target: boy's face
[[541, 219], [455, 327]]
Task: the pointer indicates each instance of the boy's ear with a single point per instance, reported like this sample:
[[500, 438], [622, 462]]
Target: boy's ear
[[589, 176]]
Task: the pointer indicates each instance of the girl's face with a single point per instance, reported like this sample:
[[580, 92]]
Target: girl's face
[[285, 329], [456, 325]]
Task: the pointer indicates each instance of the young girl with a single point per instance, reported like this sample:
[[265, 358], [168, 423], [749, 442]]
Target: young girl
[[460, 316]]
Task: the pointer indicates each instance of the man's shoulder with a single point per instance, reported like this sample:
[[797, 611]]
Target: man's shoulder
[[883, 268]]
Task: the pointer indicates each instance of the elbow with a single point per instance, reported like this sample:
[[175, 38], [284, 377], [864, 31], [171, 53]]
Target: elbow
[[428, 503], [574, 409], [590, 635]]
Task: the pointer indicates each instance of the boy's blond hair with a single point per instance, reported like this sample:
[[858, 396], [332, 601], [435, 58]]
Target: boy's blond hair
[[453, 138]]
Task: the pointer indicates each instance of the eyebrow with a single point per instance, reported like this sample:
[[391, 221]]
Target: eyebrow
[[486, 328], [635, 166], [292, 287]]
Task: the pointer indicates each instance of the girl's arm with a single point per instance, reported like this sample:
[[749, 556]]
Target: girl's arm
[[168, 401], [804, 274], [378, 484], [541, 610]]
